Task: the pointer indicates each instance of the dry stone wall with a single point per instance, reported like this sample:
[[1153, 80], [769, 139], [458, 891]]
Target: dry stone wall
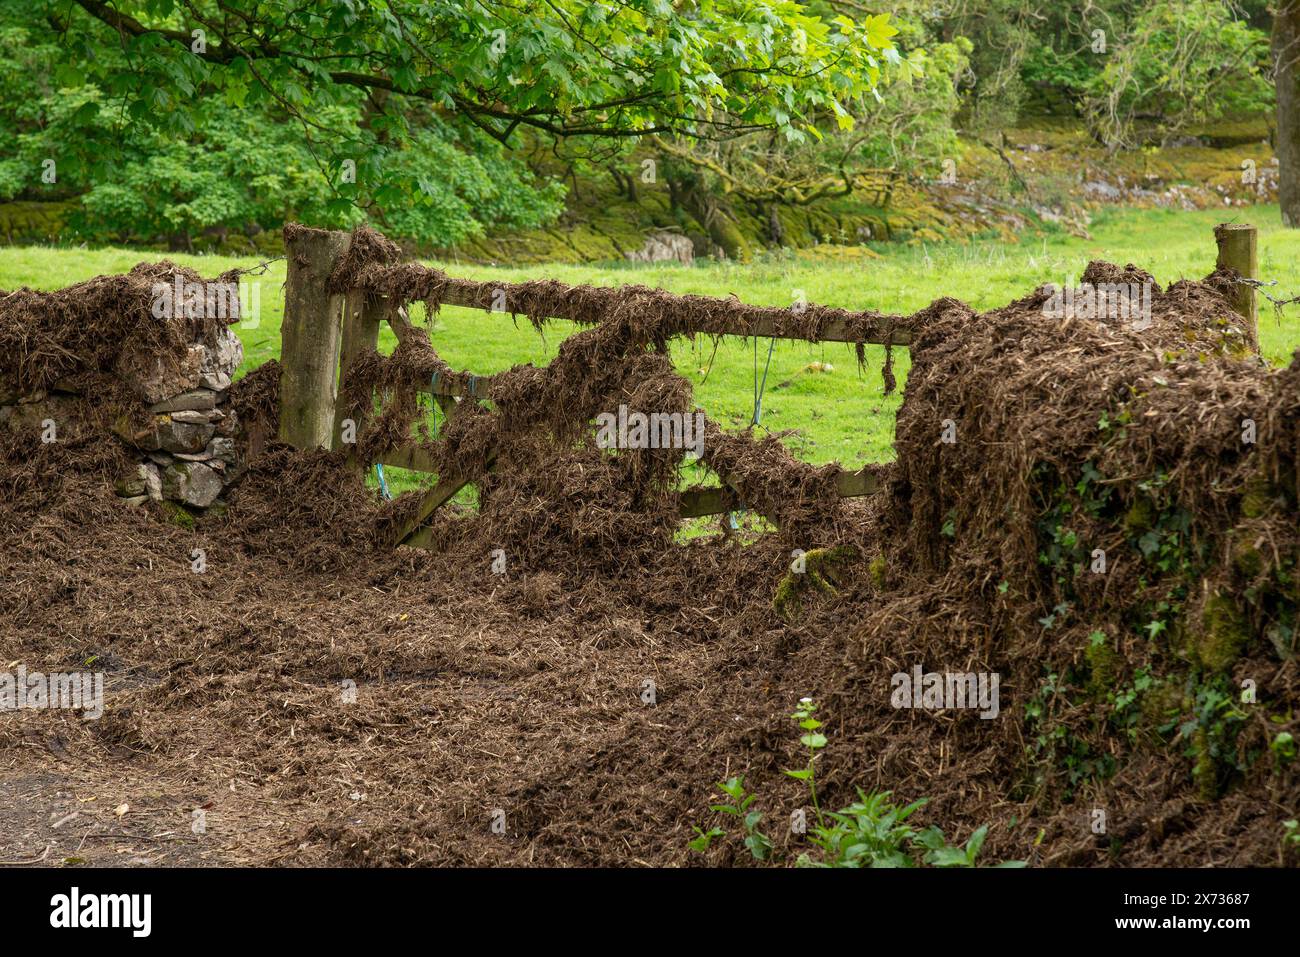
[[186, 452], [189, 448]]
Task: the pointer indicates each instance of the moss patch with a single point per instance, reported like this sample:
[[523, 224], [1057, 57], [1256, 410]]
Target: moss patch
[[1141, 517], [1162, 703], [822, 570], [1246, 558], [1223, 634], [1103, 666], [178, 515], [878, 571], [1259, 499], [1205, 771]]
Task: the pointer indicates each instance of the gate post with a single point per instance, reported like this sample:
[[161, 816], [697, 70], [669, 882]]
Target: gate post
[[1238, 251], [309, 336]]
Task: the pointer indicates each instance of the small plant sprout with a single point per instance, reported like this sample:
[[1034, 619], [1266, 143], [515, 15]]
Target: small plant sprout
[[705, 838], [758, 843], [871, 832], [814, 741]]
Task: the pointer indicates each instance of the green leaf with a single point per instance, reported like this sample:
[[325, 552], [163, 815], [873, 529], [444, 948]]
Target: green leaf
[[878, 30], [759, 846], [733, 787]]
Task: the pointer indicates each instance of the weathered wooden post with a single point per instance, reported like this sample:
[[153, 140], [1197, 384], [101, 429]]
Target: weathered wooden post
[[1238, 251], [361, 318], [310, 336]]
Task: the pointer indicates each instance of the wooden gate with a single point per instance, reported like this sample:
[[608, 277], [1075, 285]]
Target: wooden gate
[[325, 330]]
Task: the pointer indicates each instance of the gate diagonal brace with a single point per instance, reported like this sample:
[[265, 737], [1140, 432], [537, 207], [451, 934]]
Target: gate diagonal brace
[[693, 503]]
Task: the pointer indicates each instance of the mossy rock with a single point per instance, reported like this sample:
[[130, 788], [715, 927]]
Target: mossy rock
[[1246, 558], [823, 569], [1223, 634], [823, 225], [839, 254], [1141, 517], [794, 228], [728, 233], [31, 221]]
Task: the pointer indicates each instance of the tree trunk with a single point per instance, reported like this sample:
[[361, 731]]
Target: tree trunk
[[674, 193], [774, 227], [713, 217], [624, 182], [1286, 57]]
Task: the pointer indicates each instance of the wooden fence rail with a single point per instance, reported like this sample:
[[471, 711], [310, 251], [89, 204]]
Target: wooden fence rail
[[684, 314]]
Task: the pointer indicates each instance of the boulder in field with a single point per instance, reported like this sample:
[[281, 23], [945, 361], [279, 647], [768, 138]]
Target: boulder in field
[[665, 246]]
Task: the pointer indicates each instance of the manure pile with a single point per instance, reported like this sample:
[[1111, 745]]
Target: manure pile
[[323, 698]]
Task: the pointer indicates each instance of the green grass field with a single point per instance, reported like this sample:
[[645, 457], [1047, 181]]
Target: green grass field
[[840, 415]]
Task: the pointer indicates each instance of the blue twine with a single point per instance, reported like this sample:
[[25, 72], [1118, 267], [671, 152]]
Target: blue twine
[[383, 485], [759, 389]]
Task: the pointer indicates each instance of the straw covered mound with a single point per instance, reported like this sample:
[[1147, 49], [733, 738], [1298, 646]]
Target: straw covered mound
[[327, 699]]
